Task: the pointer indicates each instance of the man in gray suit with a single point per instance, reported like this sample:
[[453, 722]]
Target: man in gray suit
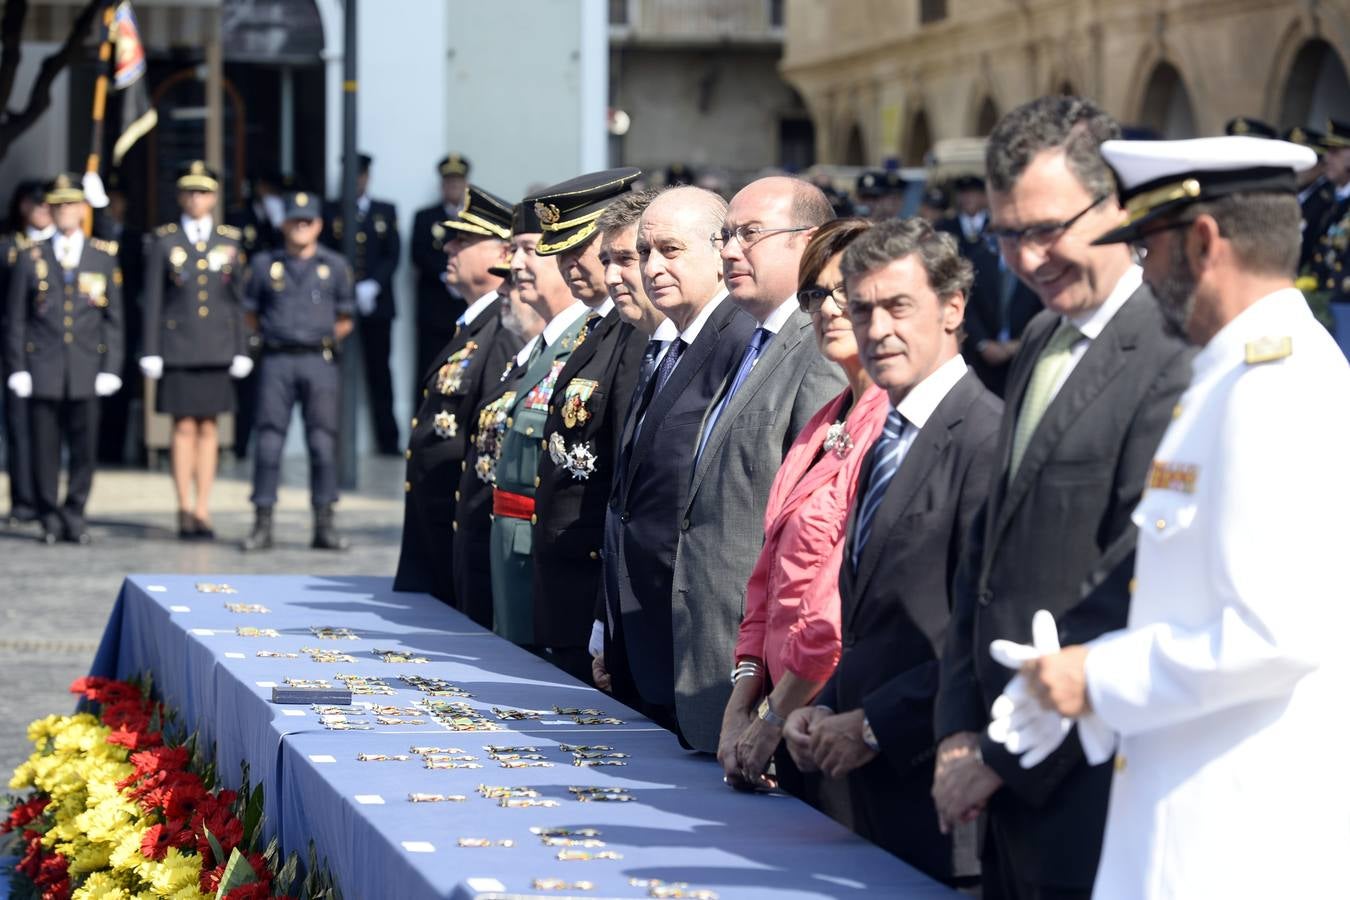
[[1089, 395], [780, 381]]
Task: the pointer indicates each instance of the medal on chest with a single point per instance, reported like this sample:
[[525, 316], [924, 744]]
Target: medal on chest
[[539, 396], [487, 440], [578, 459], [444, 424], [450, 377], [575, 397]]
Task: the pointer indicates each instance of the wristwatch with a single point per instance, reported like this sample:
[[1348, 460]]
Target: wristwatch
[[870, 737], [766, 714]]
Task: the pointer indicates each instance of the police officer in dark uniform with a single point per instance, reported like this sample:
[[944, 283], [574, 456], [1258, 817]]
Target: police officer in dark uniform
[[194, 341], [439, 303], [471, 564], [376, 259], [299, 299], [590, 398], [30, 219], [452, 385], [63, 348], [1316, 196]]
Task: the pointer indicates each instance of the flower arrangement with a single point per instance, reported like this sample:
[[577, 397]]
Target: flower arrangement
[[119, 808]]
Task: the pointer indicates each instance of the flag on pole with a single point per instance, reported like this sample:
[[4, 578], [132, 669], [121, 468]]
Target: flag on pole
[[138, 116]]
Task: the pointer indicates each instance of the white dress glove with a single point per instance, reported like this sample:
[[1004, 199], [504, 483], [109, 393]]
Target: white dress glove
[[240, 366], [94, 194], [366, 292], [596, 645], [106, 384], [152, 367], [21, 383], [1019, 721]]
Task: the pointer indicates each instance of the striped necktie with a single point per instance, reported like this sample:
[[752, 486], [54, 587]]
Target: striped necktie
[[885, 463], [758, 341], [645, 372], [1045, 378]]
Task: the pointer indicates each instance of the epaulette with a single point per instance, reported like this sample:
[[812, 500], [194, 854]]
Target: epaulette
[[1268, 349], [108, 247], [229, 231], [166, 229], [22, 240]]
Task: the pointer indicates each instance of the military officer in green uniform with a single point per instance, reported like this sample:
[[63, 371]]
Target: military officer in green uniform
[[578, 438], [516, 465], [452, 386], [63, 348]]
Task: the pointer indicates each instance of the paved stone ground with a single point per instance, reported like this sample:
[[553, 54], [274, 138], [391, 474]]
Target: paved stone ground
[[54, 601]]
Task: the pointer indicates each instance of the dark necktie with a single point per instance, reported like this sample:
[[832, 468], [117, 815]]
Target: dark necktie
[[885, 463], [758, 341], [645, 372], [663, 373]]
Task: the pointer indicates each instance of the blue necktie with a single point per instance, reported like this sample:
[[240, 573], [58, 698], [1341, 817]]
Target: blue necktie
[[885, 463], [663, 373], [758, 341]]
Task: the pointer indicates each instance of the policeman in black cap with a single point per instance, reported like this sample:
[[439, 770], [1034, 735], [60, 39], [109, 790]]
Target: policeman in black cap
[[63, 348], [299, 299], [439, 303], [452, 385], [194, 341], [1246, 126], [1316, 196], [1330, 263], [374, 263], [578, 437]]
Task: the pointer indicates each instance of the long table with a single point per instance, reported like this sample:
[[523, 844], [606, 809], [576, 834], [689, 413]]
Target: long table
[[683, 824]]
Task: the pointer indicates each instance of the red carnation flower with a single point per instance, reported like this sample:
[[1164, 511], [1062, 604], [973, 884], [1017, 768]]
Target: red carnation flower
[[156, 842], [24, 813], [258, 890]]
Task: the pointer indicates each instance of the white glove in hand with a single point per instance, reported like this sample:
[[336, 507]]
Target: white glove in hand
[[1025, 727], [21, 383], [94, 194], [596, 645], [366, 292], [152, 367], [240, 366], [106, 384]]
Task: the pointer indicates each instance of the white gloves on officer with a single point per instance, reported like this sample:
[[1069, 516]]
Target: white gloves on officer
[[106, 384], [21, 383], [152, 367], [240, 366], [366, 292], [1025, 727], [94, 194], [596, 645]]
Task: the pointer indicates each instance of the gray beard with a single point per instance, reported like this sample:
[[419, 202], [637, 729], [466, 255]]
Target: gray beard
[[1176, 292]]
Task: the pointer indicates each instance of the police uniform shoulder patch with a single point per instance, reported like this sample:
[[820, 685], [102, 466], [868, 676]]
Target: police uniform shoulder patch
[[108, 247], [167, 229], [1268, 349], [229, 231]]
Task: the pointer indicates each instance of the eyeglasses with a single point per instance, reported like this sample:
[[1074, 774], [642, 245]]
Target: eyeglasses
[[749, 235], [813, 298], [1041, 236], [1140, 244]]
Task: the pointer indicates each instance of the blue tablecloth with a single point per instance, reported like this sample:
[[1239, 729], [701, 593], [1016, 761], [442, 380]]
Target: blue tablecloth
[[684, 826]]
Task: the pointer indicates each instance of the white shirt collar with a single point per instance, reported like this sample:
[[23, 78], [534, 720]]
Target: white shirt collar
[[525, 351], [75, 239], [1092, 322], [1343, 191], [604, 308], [918, 405], [197, 229], [973, 224], [1267, 316], [363, 204], [778, 318], [40, 234], [478, 306], [563, 321], [690, 334], [666, 331]]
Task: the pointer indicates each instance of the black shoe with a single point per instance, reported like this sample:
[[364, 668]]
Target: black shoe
[[203, 529], [326, 536], [261, 536], [187, 526], [21, 514]]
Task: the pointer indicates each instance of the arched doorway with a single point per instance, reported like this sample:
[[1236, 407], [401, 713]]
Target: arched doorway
[[855, 152], [796, 136], [918, 140], [1167, 107], [1066, 89], [1317, 88], [987, 117]]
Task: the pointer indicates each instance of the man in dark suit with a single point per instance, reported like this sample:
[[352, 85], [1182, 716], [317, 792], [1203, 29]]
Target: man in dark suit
[[920, 488], [1316, 194], [376, 259], [63, 348], [779, 382], [999, 306], [451, 387], [585, 413], [439, 303], [1088, 398], [682, 275]]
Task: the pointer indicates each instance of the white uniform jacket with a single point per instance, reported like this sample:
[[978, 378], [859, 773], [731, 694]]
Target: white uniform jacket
[[1228, 688]]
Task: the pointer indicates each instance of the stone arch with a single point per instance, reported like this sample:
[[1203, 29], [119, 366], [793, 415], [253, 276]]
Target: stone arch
[[1165, 104], [917, 139], [854, 147], [986, 116], [1315, 86]]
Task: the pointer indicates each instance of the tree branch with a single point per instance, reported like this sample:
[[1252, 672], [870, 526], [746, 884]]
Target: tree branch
[[40, 97], [11, 46]]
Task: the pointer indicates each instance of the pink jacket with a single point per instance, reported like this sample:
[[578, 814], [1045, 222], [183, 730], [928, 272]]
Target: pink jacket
[[792, 600]]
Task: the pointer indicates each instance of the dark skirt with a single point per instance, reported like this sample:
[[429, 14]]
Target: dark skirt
[[200, 392]]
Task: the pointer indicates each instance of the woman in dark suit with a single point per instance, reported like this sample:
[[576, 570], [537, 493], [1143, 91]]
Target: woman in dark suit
[[194, 341]]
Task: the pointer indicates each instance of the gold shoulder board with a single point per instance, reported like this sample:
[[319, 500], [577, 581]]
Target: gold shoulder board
[[229, 231], [108, 247], [1268, 349], [166, 229]]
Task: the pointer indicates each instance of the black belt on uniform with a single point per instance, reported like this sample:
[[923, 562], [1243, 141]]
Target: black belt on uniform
[[283, 347]]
